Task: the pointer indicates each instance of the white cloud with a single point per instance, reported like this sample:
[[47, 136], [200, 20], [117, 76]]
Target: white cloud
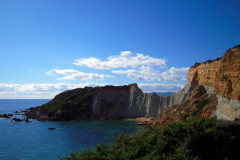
[[145, 73], [125, 53], [137, 67], [49, 90], [160, 87], [42, 90], [175, 74], [71, 74], [149, 74], [121, 61]]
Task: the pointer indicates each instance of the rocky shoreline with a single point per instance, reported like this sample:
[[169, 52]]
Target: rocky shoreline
[[18, 116]]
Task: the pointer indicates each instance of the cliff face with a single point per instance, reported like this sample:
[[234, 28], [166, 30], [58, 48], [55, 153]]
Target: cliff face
[[189, 107], [216, 82], [222, 74], [109, 102], [221, 77]]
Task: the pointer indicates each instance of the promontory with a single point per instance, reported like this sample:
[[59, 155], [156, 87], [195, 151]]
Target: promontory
[[217, 80]]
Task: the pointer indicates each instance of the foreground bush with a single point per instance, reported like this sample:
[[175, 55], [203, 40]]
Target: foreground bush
[[195, 138]]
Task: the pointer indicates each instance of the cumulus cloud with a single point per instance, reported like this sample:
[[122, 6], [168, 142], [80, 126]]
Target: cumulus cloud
[[160, 87], [149, 74], [43, 90], [124, 60], [175, 74], [71, 74], [49, 90], [135, 66], [145, 73]]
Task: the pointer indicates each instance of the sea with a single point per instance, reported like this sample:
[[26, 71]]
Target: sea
[[34, 141]]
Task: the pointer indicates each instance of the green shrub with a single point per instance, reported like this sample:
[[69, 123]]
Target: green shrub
[[202, 103], [195, 138]]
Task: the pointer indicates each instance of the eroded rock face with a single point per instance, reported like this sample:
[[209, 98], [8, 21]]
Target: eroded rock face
[[228, 109], [132, 102], [222, 77], [182, 95], [217, 81], [108, 102], [222, 74], [189, 108]]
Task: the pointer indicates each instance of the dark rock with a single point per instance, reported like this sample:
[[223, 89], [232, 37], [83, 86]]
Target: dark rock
[[198, 91], [28, 120], [16, 120], [51, 128], [6, 115], [19, 113]]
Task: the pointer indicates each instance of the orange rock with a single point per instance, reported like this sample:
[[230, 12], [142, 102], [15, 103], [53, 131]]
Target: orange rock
[[198, 91], [223, 74]]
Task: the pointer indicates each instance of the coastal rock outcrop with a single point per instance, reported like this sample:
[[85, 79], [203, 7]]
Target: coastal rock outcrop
[[221, 77], [6, 115], [108, 102], [214, 81], [223, 74]]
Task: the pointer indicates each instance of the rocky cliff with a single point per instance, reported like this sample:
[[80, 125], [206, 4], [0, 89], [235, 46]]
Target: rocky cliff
[[221, 77], [214, 81], [222, 74], [108, 102]]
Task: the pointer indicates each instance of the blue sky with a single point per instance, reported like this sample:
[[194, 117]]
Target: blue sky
[[48, 46]]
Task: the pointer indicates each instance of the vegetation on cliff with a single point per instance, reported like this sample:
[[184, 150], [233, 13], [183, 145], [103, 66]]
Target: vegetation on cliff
[[195, 137], [68, 105], [105, 102]]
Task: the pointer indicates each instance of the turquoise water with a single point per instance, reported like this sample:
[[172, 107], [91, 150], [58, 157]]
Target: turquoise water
[[33, 141]]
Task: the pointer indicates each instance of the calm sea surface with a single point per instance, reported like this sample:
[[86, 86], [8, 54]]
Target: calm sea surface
[[33, 141]]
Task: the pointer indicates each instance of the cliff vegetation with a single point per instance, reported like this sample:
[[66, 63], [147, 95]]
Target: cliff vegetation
[[195, 138]]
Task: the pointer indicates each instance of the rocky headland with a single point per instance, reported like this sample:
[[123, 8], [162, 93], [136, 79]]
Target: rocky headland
[[214, 82], [215, 91], [108, 102]]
